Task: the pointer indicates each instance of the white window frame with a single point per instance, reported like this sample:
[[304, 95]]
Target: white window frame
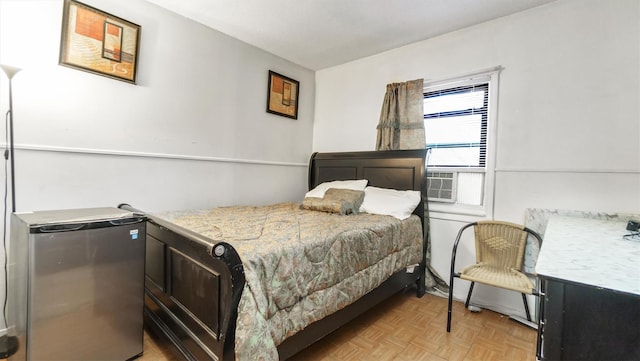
[[468, 212]]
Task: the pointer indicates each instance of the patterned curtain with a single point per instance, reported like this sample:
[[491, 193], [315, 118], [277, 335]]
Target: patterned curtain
[[401, 126], [402, 117]]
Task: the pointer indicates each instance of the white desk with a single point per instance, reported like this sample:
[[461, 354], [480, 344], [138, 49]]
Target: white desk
[[592, 252], [591, 278]]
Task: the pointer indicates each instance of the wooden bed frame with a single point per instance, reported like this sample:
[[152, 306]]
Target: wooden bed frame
[[201, 325]]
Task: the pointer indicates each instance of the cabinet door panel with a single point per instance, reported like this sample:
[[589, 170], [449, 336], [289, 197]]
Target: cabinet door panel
[[588, 323], [601, 324]]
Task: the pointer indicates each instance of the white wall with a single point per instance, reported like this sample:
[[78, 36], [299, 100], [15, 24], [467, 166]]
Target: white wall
[[568, 112], [192, 133], [200, 95]]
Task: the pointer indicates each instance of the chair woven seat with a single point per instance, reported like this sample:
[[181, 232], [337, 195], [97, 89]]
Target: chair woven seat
[[498, 277]]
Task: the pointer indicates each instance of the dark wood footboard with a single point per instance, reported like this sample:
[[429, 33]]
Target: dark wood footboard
[[192, 290]]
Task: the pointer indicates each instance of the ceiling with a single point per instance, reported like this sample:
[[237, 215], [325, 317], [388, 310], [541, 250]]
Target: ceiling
[[318, 34]]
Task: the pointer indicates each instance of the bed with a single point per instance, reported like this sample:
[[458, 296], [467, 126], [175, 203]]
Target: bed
[[210, 296]]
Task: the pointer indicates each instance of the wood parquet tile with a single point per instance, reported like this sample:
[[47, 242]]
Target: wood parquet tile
[[406, 328]]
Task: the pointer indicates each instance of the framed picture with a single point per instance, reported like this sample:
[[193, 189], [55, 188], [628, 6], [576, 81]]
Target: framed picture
[[282, 95], [98, 42]]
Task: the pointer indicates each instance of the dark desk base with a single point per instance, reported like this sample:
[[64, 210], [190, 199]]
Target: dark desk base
[[589, 323]]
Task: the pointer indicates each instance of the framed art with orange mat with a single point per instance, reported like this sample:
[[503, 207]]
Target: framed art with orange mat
[[98, 42], [282, 95]]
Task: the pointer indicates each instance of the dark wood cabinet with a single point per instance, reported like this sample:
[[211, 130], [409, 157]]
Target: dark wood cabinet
[[580, 322]]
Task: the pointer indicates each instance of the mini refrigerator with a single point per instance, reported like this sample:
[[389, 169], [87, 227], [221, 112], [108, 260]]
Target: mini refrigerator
[[76, 284]]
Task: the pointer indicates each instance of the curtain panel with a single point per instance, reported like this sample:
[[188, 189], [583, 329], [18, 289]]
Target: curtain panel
[[401, 123], [401, 126]]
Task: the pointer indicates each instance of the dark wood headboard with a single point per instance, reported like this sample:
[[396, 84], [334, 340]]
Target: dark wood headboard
[[396, 169]]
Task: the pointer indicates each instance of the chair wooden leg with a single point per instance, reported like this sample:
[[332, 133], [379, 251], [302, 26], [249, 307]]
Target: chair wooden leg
[[466, 304], [526, 306], [450, 304]]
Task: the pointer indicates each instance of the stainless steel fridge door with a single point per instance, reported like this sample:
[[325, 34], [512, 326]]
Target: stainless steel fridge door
[[86, 289]]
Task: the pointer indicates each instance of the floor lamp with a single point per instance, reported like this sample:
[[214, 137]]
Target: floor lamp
[[9, 344], [10, 71]]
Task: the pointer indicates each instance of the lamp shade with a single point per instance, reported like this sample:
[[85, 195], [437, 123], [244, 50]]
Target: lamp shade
[[9, 70]]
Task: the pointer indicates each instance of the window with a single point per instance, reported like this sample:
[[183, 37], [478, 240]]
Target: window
[[458, 125]]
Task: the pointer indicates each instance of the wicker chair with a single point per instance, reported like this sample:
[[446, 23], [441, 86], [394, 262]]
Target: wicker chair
[[499, 256]]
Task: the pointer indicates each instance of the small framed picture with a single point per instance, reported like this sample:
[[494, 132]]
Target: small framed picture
[[282, 95], [98, 42]]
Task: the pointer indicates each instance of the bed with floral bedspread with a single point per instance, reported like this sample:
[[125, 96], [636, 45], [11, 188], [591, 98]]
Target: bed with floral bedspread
[[249, 283], [302, 265]]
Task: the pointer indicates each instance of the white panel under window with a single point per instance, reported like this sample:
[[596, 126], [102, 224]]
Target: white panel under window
[[469, 190]]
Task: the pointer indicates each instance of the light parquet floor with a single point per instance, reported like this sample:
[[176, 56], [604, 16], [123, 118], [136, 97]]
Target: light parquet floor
[[406, 328]]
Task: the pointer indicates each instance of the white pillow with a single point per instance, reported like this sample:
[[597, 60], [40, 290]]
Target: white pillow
[[390, 202], [320, 189]]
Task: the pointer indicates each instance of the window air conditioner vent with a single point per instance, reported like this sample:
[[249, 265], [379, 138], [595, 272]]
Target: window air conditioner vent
[[441, 186]]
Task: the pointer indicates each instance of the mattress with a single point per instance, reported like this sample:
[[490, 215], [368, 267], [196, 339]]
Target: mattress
[[302, 265]]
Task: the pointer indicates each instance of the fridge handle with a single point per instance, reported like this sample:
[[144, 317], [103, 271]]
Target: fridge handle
[[127, 221], [61, 228]]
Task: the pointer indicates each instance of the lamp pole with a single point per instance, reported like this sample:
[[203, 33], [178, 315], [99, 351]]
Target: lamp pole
[[9, 343], [10, 71]]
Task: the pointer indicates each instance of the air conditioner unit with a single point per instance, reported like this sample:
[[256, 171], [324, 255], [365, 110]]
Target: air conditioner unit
[[441, 186]]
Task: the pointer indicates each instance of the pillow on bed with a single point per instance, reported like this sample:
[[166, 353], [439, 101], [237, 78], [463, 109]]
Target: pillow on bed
[[335, 200], [320, 189], [390, 202]]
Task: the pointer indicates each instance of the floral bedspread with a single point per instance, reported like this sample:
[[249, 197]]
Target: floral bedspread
[[302, 265]]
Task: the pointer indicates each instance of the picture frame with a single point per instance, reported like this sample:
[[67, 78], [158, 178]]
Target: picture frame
[[282, 95], [98, 42]]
